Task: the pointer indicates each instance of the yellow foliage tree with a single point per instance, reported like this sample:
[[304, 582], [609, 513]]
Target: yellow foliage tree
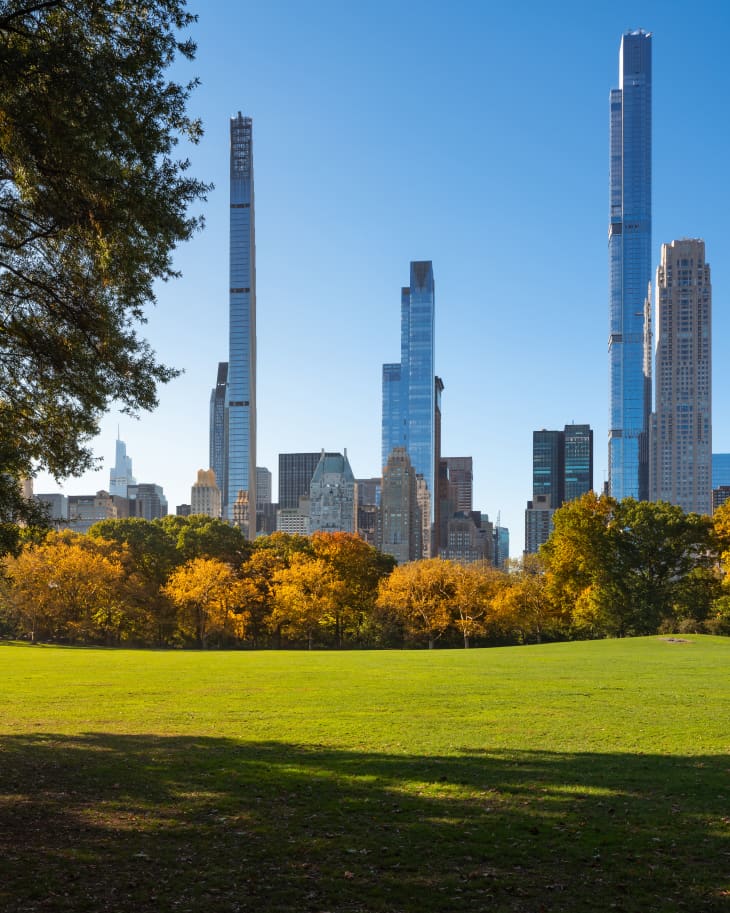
[[421, 596], [475, 588], [308, 596], [209, 598], [67, 587]]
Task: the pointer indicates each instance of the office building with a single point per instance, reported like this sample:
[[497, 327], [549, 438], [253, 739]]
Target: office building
[[400, 515], [630, 267], [86, 510], [501, 545], [263, 487], [548, 467], [562, 470], [120, 475], [218, 438], [332, 495], [538, 523], [720, 469], [681, 426], [240, 404], [577, 461], [205, 496], [719, 496], [146, 500], [295, 475], [367, 499], [461, 481], [411, 390], [183, 510], [56, 506]]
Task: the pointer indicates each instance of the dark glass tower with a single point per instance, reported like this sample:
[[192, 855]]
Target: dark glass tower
[[629, 249], [241, 390]]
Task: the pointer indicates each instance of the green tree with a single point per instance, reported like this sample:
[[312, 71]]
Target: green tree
[[627, 566], [93, 200], [200, 536], [149, 556]]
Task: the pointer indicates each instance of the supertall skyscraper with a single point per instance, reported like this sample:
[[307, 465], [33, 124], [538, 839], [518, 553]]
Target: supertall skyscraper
[[629, 248], [681, 428], [241, 389], [410, 388]]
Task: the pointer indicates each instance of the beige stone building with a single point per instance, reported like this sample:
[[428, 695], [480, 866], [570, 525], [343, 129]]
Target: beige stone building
[[680, 438]]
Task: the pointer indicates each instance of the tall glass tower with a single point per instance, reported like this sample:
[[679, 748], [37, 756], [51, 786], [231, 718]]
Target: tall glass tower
[[629, 251], [409, 388], [241, 390]]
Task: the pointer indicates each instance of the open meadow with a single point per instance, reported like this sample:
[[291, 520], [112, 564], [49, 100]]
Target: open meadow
[[563, 777]]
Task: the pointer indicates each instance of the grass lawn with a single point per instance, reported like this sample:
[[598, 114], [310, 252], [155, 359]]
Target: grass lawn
[[566, 777]]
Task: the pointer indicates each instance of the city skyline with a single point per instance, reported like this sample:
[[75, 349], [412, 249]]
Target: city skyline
[[503, 179]]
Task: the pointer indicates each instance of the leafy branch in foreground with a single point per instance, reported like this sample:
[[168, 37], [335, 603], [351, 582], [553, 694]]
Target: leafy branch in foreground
[[92, 203]]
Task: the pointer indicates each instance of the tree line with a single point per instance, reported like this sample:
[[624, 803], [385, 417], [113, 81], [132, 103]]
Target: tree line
[[608, 569]]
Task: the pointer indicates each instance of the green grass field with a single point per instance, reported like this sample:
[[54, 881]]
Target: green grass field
[[584, 776]]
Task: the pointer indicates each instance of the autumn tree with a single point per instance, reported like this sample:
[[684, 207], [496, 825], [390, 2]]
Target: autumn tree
[[207, 594], [93, 200], [67, 588], [307, 597], [420, 595], [359, 568], [257, 591], [523, 606], [149, 557], [475, 588]]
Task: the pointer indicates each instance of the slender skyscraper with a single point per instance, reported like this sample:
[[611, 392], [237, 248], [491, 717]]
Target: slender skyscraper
[[218, 456], [681, 431], [410, 388], [629, 248], [241, 390]]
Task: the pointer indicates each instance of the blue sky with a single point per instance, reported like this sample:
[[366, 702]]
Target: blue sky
[[473, 135]]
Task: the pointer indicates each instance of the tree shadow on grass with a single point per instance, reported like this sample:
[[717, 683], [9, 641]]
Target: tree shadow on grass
[[135, 823]]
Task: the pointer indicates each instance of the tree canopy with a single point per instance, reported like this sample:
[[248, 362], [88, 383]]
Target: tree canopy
[[93, 201]]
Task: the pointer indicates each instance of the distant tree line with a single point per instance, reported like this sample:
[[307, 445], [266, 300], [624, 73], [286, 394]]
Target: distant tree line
[[609, 569]]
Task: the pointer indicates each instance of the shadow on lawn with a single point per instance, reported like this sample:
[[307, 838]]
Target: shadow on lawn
[[135, 823]]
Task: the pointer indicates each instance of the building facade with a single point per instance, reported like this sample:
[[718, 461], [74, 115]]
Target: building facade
[[630, 267], [205, 496], [295, 475], [411, 389], [681, 426], [332, 495], [562, 470], [400, 515], [240, 404], [218, 438]]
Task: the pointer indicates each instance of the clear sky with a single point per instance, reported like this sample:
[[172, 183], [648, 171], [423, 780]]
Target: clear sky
[[472, 134]]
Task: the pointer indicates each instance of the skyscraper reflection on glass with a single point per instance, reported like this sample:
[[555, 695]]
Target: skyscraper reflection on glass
[[629, 248], [241, 391], [409, 388]]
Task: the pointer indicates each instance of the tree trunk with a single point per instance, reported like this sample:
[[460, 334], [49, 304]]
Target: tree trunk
[[430, 643], [466, 641]]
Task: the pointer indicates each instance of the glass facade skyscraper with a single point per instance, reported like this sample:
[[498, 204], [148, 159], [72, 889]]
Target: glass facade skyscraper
[[410, 388], [629, 249], [218, 450], [241, 389]]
